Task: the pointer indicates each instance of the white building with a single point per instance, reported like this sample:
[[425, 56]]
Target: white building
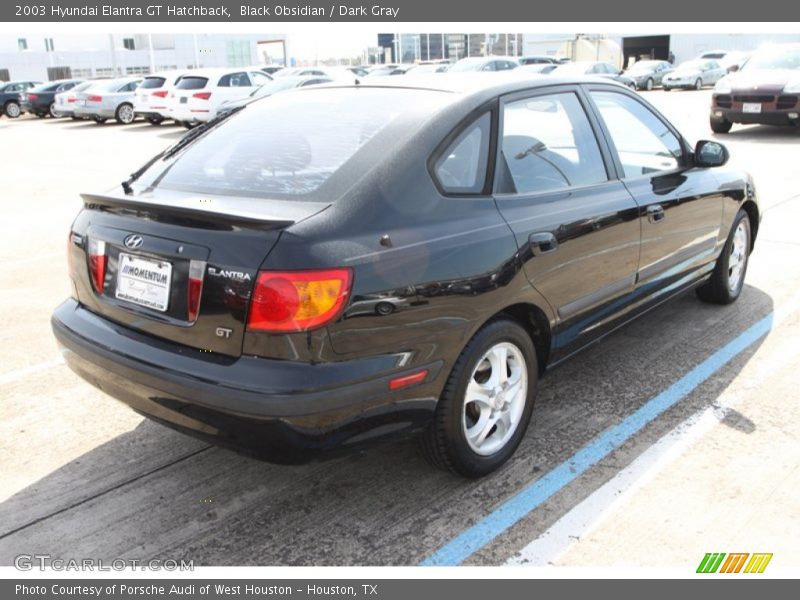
[[46, 57], [683, 46]]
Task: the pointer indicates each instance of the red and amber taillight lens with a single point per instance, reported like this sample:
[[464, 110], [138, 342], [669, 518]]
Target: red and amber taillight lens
[[292, 301], [97, 263], [202, 95], [33, 96], [197, 269], [94, 99], [160, 94]]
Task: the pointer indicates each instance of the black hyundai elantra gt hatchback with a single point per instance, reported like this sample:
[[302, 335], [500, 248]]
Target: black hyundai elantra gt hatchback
[[337, 265]]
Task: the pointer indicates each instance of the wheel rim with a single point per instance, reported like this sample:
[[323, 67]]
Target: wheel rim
[[495, 399], [12, 110], [698, 84], [649, 84], [737, 261], [126, 113], [53, 112]]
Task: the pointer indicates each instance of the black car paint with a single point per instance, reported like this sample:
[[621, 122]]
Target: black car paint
[[46, 94], [430, 269], [7, 97]]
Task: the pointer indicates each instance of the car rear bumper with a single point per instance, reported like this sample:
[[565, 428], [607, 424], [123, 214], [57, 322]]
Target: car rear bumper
[[185, 113], [280, 411], [94, 111]]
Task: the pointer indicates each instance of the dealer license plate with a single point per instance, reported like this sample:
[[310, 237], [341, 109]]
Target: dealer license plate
[[751, 107], [144, 282]]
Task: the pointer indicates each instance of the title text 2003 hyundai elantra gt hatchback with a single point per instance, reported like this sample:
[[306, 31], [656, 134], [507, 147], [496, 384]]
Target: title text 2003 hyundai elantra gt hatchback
[[332, 266]]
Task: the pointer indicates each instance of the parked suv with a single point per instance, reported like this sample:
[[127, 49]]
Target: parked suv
[[332, 266], [197, 96], [152, 96], [9, 96], [766, 90]]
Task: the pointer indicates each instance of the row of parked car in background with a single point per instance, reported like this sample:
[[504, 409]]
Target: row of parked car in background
[[760, 87]]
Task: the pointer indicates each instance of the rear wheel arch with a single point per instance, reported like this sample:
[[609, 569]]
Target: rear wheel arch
[[535, 322], [752, 214]]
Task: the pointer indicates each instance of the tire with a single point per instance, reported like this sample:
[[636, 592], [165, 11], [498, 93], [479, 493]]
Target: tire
[[99, 120], [41, 115], [74, 118], [698, 85], [124, 114], [53, 112], [720, 125], [155, 120], [727, 279], [188, 124], [11, 109], [665, 88], [455, 440]]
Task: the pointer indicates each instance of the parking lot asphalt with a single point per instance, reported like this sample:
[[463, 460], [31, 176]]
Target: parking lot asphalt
[[716, 471]]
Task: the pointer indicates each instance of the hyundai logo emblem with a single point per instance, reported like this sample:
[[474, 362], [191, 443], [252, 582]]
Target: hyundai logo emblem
[[133, 241]]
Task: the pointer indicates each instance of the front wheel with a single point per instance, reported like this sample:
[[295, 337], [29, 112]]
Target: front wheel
[[486, 404], [12, 110], [727, 279], [648, 85], [720, 125], [698, 85]]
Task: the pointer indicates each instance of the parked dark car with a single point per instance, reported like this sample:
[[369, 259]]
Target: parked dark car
[[647, 74], [766, 90], [596, 68], [538, 59], [40, 100], [9, 97], [332, 266]]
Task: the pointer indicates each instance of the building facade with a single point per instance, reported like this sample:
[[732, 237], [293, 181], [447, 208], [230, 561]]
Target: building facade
[[47, 57], [415, 47]]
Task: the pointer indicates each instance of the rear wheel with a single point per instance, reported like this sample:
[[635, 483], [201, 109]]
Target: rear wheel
[[648, 85], [486, 404], [11, 109], [666, 89], [727, 279], [698, 85], [125, 114], [53, 112], [720, 125]]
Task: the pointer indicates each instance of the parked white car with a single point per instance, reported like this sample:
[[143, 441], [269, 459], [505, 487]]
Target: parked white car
[[199, 93], [152, 96], [693, 75]]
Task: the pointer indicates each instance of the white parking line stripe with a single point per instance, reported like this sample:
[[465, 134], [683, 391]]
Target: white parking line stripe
[[18, 374], [589, 514]]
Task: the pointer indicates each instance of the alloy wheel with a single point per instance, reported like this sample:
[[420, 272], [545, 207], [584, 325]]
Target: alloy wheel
[[737, 261], [495, 399]]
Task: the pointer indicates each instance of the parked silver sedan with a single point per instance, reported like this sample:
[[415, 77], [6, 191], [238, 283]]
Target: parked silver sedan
[[647, 74], [694, 74], [110, 99]]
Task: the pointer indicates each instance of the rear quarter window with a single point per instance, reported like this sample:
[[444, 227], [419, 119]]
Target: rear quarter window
[[461, 169]]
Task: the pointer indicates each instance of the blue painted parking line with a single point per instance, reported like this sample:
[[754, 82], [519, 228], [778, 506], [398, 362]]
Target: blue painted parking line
[[536, 493]]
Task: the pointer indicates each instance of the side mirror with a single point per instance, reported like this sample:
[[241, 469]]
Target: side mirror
[[733, 68], [710, 154]]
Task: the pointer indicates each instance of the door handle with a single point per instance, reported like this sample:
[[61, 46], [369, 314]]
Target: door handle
[[655, 213], [543, 242]]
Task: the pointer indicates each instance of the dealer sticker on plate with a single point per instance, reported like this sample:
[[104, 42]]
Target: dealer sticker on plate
[[144, 282], [751, 107]]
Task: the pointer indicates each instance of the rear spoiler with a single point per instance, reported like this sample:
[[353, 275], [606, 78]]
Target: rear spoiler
[[170, 212]]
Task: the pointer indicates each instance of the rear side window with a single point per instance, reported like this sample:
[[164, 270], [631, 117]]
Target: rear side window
[[548, 144], [150, 83], [288, 145], [192, 83], [234, 80], [461, 169]]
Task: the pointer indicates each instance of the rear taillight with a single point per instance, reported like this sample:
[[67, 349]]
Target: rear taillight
[[197, 269], [95, 98], [97, 264], [202, 95], [160, 94], [33, 96], [293, 301], [71, 99]]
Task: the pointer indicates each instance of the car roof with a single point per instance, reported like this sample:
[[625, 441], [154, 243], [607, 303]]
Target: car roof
[[216, 71]]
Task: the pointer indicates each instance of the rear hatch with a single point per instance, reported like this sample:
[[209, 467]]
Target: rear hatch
[[177, 267], [151, 93], [191, 93]]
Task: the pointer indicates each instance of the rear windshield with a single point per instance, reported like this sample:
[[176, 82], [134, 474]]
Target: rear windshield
[[289, 144], [192, 83], [152, 82]]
